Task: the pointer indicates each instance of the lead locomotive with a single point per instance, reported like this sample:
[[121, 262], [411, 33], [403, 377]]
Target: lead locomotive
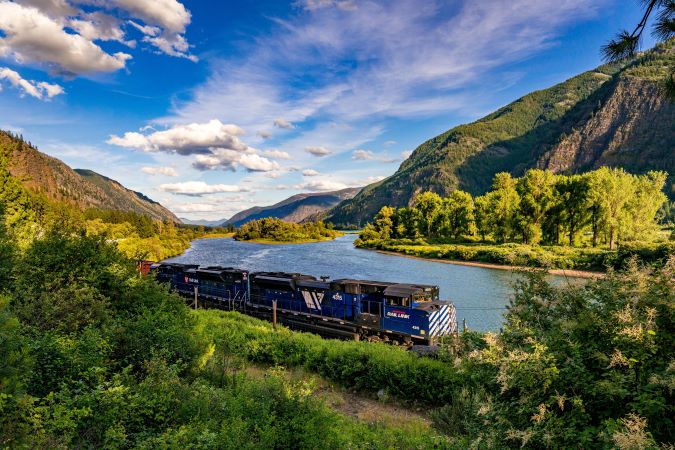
[[355, 309]]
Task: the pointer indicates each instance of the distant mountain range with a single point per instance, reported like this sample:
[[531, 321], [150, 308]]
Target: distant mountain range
[[614, 115], [297, 208], [206, 223], [53, 178]]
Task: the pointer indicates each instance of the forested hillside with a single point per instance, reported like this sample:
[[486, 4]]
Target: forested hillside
[[297, 208], [52, 178], [54, 197], [613, 115]]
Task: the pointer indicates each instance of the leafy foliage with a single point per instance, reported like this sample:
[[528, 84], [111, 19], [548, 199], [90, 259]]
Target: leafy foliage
[[277, 230], [94, 356], [610, 204]]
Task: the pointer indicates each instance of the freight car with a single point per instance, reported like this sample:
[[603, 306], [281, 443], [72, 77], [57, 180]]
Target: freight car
[[344, 308]]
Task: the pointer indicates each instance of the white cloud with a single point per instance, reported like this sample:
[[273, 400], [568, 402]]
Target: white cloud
[[53, 8], [165, 23], [61, 35], [39, 90], [147, 30], [314, 5], [227, 159], [283, 123], [223, 206], [389, 143], [406, 154], [363, 155], [318, 151], [310, 172], [370, 180], [264, 134], [367, 155], [321, 185], [169, 14], [98, 26], [199, 188], [166, 171], [29, 35], [216, 146], [186, 139], [278, 154]]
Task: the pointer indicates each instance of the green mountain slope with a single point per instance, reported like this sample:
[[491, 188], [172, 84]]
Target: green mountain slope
[[49, 176], [298, 208], [612, 115]]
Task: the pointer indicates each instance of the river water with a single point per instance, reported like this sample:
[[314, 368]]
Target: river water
[[480, 294]]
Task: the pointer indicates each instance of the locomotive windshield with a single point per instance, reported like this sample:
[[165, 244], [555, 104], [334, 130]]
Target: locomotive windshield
[[426, 294]]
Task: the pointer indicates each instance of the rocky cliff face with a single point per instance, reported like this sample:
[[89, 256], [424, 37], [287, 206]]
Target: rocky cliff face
[[613, 115], [49, 176], [633, 128]]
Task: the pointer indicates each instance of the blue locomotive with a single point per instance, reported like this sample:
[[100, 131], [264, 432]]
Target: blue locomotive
[[344, 308]]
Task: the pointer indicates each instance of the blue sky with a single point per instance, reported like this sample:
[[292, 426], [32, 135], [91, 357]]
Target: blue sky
[[213, 107]]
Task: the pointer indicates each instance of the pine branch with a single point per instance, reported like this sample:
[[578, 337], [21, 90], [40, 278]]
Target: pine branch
[[665, 23], [627, 44]]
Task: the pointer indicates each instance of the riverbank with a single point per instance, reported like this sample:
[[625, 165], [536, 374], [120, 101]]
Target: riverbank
[[564, 272], [555, 259]]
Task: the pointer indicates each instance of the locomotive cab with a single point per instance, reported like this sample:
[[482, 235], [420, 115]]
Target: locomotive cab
[[416, 310]]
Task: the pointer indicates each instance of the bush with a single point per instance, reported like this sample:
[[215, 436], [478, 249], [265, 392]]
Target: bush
[[361, 365], [273, 229], [554, 257]]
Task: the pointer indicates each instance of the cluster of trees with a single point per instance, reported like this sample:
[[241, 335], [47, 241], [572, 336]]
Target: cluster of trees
[[31, 215], [141, 237], [273, 229], [540, 207]]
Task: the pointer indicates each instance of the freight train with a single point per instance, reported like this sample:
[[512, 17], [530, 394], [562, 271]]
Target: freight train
[[353, 309]]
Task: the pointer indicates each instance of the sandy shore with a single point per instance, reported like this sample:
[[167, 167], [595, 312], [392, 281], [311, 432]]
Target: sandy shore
[[563, 272]]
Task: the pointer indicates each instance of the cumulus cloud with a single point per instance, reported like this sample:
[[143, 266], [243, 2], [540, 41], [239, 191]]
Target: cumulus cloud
[[169, 14], [165, 23], [226, 159], [283, 123], [367, 155], [166, 171], [62, 36], [98, 26], [29, 35], [310, 172], [264, 134], [199, 188], [406, 154], [40, 90], [216, 146], [194, 138], [318, 151], [278, 154], [321, 185]]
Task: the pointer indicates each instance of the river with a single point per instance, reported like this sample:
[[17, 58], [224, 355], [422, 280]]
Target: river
[[480, 294]]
